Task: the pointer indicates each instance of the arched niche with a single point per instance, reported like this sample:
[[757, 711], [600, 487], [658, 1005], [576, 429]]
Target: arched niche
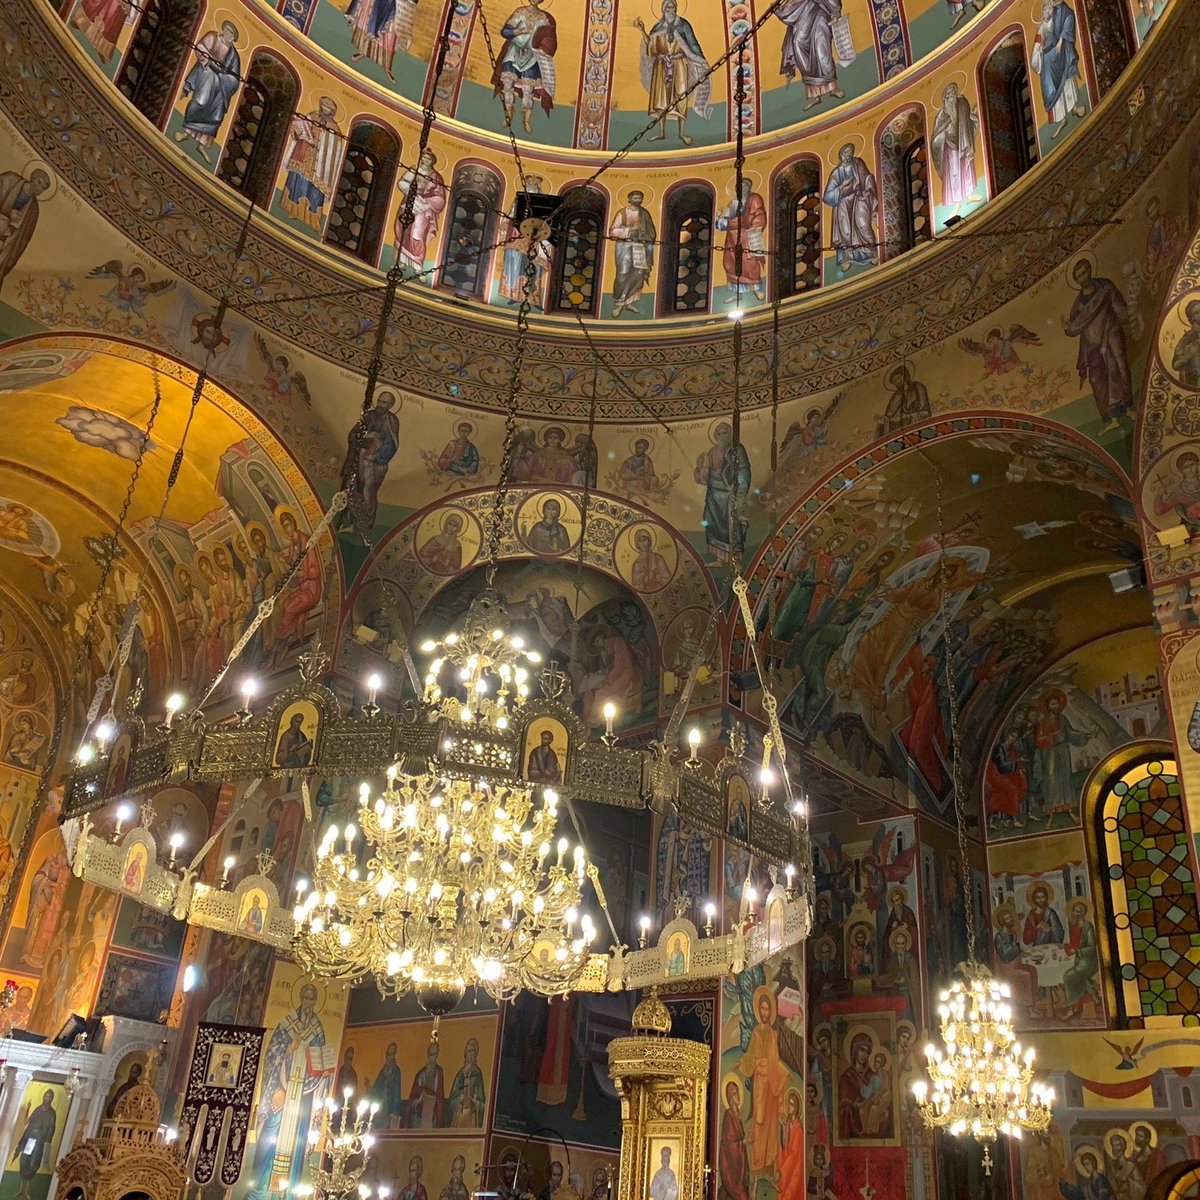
[[849, 607], [639, 559]]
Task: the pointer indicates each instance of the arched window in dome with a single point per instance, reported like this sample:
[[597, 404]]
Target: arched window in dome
[[1147, 866], [474, 205], [581, 220], [360, 202], [1111, 37], [687, 250], [250, 161], [1009, 124], [156, 55], [798, 227], [904, 180]]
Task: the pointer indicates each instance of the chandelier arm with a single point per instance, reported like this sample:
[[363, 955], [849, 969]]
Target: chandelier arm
[[194, 865], [267, 606]]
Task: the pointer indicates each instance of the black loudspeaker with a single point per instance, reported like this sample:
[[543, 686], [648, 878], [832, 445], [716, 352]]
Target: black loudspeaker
[[540, 209]]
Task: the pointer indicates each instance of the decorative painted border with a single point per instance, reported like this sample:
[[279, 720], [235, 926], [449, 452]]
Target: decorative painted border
[[591, 112], [175, 214]]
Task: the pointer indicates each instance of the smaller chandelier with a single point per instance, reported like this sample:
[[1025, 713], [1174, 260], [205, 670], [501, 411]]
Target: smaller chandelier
[[338, 1147], [983, 1084]]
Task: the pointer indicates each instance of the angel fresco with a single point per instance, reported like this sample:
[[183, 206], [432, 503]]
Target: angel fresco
[[281, 381], [132, 288], [999, 350], [805, 439]]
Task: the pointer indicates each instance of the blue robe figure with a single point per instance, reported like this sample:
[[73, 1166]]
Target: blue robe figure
[[1055, 58], [461, 456], [210, 86], [724, 470], [387, 1091], [293, 1079], [370, 447], [1090, 1182]]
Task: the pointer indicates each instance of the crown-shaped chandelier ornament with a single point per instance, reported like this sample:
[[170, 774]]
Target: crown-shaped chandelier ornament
[[982, 1084]]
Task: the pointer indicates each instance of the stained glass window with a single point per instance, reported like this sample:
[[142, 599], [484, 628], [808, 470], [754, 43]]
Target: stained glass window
[[798, 227], [360, 203], [1149, 866], [160, 42], [1009, 128], [688, 250], [905, 182], [474, 203], [577, 259], [1109, 31], [259, 128]]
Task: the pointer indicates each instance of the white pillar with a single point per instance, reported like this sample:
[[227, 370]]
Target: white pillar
[[14, 1088]]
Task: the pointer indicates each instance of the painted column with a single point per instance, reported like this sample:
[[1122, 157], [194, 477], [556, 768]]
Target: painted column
[[80, 1102], [14, 1089]]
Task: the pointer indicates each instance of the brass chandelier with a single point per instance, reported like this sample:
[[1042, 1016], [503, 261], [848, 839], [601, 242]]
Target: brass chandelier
[[982, 1084], [452, 874], [450, 881], [338, 1146]]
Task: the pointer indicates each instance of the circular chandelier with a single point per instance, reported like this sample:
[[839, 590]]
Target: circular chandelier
[[449, 882]]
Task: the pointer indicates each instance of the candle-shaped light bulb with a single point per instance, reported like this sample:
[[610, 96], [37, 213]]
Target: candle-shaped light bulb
[[249, 690], [374, 683], [790, 872], [124, 812], [104, 732], [710, 911], [693, 742], [227, 866], [610, 712], [175, 701]]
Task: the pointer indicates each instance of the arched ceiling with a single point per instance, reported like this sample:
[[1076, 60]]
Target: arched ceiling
[[849, 602], [461, 354], [81, 406]]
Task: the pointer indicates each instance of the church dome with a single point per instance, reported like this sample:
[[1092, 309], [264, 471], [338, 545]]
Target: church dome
[[870, 128]]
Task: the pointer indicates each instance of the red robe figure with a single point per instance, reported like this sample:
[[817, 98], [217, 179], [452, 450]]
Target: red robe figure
[[745, 222], [731, 1156]]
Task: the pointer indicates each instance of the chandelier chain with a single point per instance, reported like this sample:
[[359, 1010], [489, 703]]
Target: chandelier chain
[[395, 277], [956, 782], [83, 645], [342, 500]]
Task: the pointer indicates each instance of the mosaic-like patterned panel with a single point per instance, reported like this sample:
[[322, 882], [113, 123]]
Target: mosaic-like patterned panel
[[1153, 893]]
